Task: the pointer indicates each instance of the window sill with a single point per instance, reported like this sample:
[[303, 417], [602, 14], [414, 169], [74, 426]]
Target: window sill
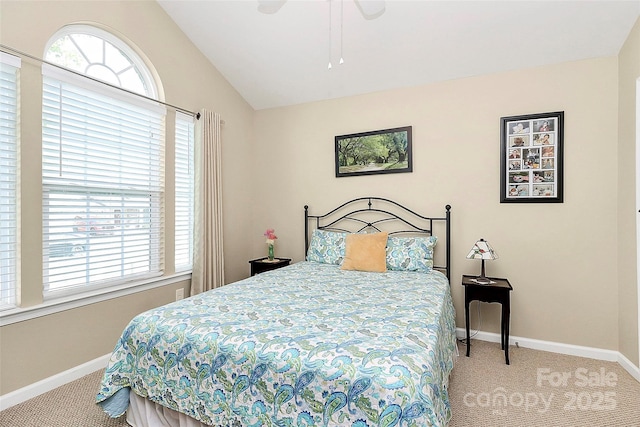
[[20, 314]]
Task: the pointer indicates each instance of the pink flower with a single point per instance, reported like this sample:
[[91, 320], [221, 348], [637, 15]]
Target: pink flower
[[270, 235]]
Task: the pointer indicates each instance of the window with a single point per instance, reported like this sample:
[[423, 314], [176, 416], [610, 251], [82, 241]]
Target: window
[[101, 55], [9, 66], [184, 192], [102, 166]]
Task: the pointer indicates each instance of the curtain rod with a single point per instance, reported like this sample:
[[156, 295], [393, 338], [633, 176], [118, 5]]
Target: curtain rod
[[10, 49]]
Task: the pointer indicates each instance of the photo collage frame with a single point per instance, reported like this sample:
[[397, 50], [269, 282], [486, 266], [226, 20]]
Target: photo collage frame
[[531, 164]]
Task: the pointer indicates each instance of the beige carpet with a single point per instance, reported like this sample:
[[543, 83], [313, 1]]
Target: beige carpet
[[72, 405], [538, 389]]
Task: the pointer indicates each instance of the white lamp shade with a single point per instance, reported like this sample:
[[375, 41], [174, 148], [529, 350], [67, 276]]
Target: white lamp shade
[[482, 250]]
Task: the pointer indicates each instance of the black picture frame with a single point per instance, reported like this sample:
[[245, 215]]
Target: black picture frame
[[531, 158], [374, 152]]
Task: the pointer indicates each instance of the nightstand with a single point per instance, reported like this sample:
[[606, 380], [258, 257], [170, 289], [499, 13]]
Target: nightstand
[[261, 265], [496, 291]]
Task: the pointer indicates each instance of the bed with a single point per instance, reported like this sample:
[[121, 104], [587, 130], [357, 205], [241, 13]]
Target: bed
[[329, 341]]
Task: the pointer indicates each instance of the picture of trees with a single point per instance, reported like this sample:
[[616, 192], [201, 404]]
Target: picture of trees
[[384, 151]]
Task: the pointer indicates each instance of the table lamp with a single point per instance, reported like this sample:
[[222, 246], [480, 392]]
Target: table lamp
[[482, 250]]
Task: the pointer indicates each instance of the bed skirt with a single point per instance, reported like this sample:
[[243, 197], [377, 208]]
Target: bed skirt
[[145, 413]]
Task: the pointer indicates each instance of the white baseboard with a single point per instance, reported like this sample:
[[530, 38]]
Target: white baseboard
[[32, 390], [629, 367], [554, 347]]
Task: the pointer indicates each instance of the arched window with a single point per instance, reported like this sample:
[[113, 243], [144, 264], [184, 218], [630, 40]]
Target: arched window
[[102, 165], [99, 54]]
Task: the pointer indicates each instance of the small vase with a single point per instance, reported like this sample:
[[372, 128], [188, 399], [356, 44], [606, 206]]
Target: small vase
[[270, 255]]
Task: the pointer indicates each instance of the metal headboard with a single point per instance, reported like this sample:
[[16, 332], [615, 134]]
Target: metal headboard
[[379, 214]]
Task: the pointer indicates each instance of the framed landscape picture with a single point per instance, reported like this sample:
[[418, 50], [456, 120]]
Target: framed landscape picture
[[374, 152], [531, 159]]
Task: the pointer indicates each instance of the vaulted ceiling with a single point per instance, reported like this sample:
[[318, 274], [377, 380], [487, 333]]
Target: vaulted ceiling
[[278, 59]]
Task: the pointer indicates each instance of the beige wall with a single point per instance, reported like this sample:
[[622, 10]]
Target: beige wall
[[564, 291], [36, 349], [629, 80]]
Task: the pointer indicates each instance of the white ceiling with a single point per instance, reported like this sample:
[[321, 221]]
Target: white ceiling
[[281, 59]]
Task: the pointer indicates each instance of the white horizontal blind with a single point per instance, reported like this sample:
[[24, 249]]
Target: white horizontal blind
[[103, 188], [184, 192], [9, 66]]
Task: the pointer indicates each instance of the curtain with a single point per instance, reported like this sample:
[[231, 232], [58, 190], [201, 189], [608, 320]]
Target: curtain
[[208, 258]]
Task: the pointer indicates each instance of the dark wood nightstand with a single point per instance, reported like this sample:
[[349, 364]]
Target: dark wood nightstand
[[497, 291], [261, 265]]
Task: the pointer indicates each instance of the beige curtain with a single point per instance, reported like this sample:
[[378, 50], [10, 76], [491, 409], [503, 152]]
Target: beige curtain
[[208, 259]]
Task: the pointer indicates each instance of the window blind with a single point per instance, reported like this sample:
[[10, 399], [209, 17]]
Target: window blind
[[103, 187], [9, 66], [184, 184]]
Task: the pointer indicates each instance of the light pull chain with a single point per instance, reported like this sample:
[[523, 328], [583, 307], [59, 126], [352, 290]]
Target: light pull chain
[[341, 26], [329, 66]]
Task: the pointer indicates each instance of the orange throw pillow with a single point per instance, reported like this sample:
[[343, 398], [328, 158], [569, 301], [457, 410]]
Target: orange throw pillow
[[366, 252]]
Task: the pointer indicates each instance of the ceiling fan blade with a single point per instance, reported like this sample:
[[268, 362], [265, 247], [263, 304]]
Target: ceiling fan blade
[[371, 9], [270, 6]]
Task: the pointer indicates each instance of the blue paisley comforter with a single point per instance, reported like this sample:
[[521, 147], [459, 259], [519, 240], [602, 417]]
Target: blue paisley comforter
[[304, 345]]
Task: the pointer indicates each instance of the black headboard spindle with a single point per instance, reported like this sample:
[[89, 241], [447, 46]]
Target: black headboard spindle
[[348, 217]]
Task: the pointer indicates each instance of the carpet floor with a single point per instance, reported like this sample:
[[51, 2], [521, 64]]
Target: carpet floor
[[538, 389]]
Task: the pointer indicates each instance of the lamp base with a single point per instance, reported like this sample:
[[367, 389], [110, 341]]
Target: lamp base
[[482, 279]]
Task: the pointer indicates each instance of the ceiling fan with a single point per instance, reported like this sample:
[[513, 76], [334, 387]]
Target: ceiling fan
[[370, 9]]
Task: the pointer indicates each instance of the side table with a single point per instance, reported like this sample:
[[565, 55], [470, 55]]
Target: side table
[[260, 265], [496, 291]]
